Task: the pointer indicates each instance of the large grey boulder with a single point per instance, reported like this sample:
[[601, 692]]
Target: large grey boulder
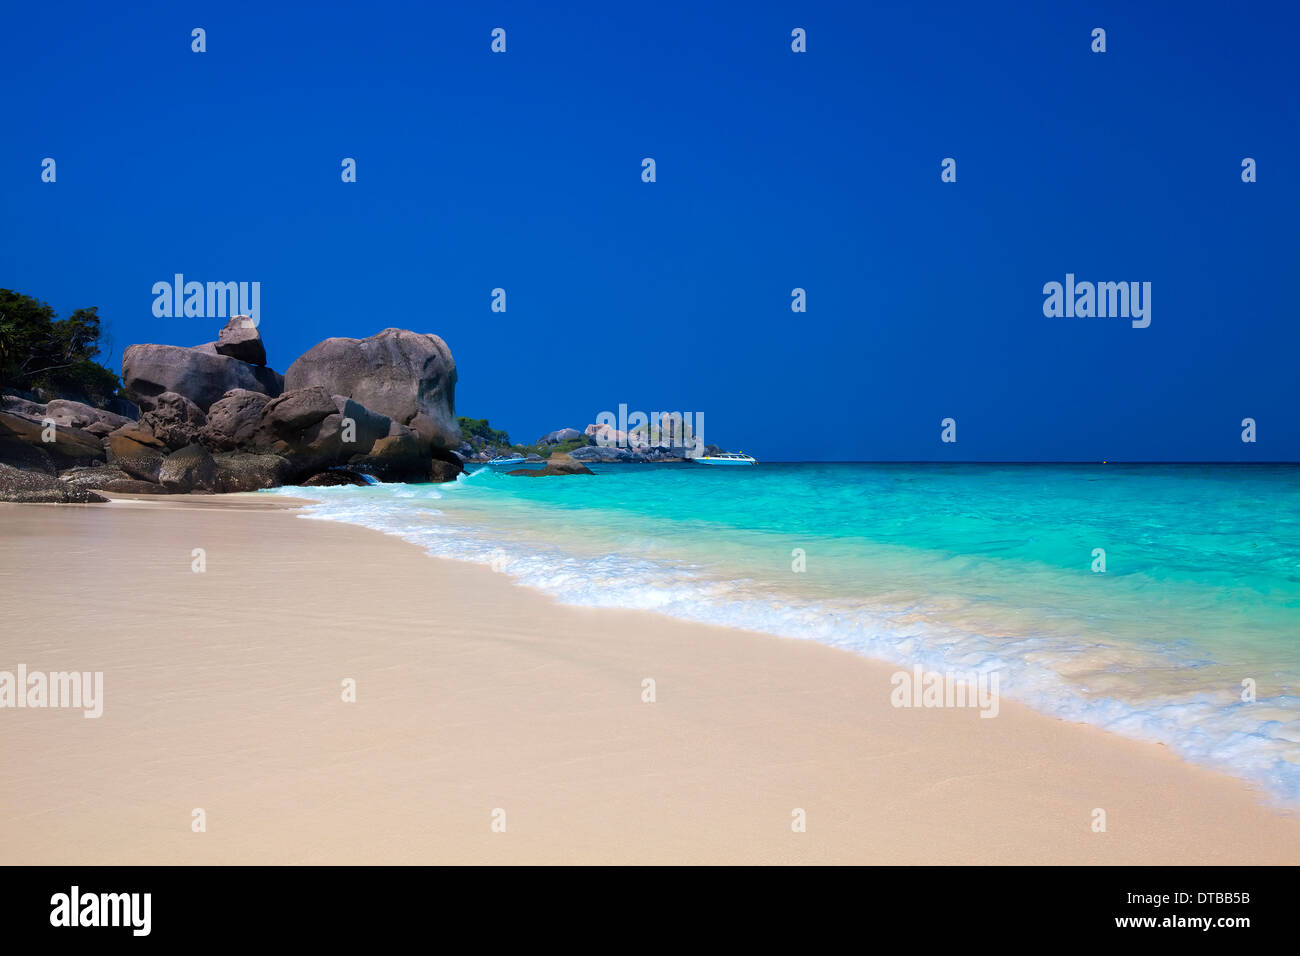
[[134, 449], [333, 478], [174, 420], [241, 471], [21, 405], [366, 427], [307, 451], [445, 466], [96, 421], [297, 409], [558, 465], [69, 446], [39, 488], [233, 420], [241, 340], [606, 435], [408, 376], [190, 469], [309, 430], [90, 476], [304, 427], [400, 456], [203, 377], [559, 435], [109, 478]]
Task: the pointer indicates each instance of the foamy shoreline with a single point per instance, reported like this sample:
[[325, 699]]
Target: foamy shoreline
[[1063, 665], [222, 692]]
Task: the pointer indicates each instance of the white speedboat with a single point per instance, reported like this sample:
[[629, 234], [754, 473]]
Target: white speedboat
[[503, 460], [727, 458]]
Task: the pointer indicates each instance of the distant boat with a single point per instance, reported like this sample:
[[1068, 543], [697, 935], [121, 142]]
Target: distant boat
[[727, 458], [503, 460]]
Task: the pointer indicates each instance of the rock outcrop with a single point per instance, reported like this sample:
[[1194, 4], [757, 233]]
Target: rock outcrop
[[408, 376], [24, 404], [174, 420], [203, 377], [241, 471], [35, 487], [297, 409], [304, 427], [334, 477], [605, 453], [96, 421], [367, 426], [215, 419], [241, 340], [557, 465], [68, 447], [134, 449], [110, 478], [606, 435], [189, 469], [559, 435], [402, 453], [233, 419], [445, 466]]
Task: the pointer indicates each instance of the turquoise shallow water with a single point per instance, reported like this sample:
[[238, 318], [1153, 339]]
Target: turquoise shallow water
[[955, 567]]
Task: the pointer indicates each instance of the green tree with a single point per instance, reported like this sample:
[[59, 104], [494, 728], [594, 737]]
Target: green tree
[[478, 428], [40, 350]]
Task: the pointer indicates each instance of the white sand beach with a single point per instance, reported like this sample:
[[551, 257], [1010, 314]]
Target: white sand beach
[[222, 691]]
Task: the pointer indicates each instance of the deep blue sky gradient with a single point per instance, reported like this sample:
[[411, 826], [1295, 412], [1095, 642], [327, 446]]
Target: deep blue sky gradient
[[775, 170]]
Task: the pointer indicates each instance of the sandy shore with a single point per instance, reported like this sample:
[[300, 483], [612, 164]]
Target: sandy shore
[[222, 691]]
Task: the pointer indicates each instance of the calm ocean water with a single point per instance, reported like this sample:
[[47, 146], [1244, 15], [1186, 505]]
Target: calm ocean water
[[954, 567]]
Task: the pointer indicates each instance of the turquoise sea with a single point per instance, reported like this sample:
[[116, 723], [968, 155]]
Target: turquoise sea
[[954, 567]]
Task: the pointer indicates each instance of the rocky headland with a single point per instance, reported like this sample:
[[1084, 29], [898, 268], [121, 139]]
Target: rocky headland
[[215, 418]]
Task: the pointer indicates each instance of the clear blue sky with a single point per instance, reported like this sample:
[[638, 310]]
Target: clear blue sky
[[775, 170]]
